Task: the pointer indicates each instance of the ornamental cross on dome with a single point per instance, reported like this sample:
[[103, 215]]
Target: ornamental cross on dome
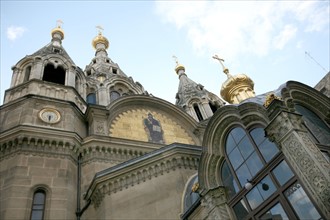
[[100, 29], [225, 70], [176, 60], [59, 23]]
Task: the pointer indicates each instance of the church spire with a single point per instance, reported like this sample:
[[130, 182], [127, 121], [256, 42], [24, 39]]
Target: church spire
[[193, 97]]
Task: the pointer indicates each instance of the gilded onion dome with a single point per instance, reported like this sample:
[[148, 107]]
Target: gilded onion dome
[[100, 39], [178, 66], [58, 30], [236, 88]]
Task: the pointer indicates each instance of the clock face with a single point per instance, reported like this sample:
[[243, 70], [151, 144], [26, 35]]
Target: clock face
[[48, 115]]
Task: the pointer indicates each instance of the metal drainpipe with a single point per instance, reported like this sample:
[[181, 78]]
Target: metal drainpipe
[[78, 187], [79, 211]]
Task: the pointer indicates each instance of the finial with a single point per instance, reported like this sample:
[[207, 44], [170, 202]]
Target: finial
[[178, 66], [225, 70], [59, 23], [100, 29], [175, 59]]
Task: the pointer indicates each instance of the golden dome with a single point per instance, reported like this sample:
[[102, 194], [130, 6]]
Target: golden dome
[[179, 67], [237, 88], [100, 39], [58, 30]]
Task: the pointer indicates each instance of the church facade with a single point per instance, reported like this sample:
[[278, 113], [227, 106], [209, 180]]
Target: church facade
[[94, 144]]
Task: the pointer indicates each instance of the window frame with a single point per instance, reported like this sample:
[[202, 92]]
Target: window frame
[[33, 209]]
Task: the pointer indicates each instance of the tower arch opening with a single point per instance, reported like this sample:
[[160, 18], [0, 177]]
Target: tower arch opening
[[54, 74]]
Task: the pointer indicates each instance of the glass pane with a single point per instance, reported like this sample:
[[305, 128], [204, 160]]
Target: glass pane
[[268, 150], [39, 198], [258, 135], [316, 125], [254, 163], [245, 147], [275, 213], [300, 202], [228, 180], [230, 144], [36, 215], [241, 210], [243, 174], [254, 198], [231, 187], [235, 158], [91, 98], [266, 187], [283, 173], [238, 134]]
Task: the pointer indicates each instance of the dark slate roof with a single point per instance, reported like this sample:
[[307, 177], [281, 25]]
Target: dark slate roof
[[48, 49]]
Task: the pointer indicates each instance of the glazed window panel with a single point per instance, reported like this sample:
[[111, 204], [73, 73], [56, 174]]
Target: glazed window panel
[[238, 134], [254, 163], [245, 147], [38, 205], [300, 202], [315, 124], [236, 158], [243, 174], [283, 173], [241, 210], [264, 189], [230, 144], [228, 180], [276, 212], [266, 148]]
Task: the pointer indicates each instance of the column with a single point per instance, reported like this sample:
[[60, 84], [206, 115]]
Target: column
[[287, 130]]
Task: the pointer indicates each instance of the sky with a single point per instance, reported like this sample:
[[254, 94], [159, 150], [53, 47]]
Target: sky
[[270, 41]]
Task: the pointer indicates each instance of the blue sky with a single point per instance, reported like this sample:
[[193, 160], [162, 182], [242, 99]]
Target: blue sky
[[266, 40]]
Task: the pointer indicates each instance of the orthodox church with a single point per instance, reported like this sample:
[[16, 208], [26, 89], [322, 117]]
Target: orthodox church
[[94, 144]]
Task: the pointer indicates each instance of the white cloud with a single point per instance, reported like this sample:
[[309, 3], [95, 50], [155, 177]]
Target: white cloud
[[14, 32], [232, 28], [284, 36]]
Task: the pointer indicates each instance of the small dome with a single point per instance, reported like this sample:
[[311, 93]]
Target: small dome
[[179, 67], [58, 30], [239, 84], [100, 39]]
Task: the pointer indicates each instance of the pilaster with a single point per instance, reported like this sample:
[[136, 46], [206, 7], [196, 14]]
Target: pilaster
[[287, 130], [215, 202]]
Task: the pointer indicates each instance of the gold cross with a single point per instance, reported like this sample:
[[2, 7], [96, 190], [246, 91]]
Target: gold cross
[[59, 23], [100, 29], [225, 70], [176, 60]]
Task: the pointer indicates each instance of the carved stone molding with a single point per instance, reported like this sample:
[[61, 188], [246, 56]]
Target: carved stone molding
[[215, 202], [287, 130], [141, 169], [38, 146], [310, 168]]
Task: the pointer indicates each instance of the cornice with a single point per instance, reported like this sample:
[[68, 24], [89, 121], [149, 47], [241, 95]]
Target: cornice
[[141, 169]]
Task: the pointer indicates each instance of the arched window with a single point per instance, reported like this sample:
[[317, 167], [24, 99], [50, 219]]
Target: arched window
[[54, 75], [38, 205], [213, 107], [259, 182], [114, 95], [198, 112], [190, 197], [27, 73], [91, 98], [315, 125]]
